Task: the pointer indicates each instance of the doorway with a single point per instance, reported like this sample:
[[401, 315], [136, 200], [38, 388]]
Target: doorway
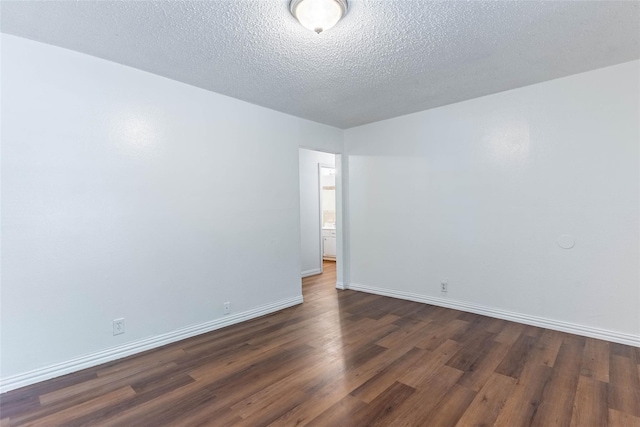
[[327, 179], [319, 211]]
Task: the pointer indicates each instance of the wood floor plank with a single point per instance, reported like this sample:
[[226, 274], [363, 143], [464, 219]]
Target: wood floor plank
[[416, 410], [310, 409], [141, 363], [249, 365], [622, 350], [557, 399], [495, 326], [438, 334], [111, 409], [533, 331], [358, 374], [333, 386], [99, 385], [161, 383], [162, 410], [25, 404], [346, 358], [277, 392], [384, 379], [22, 400], [517, 357], [488, 402], [450, 408], [424, 368], [590, 406], [547, 348], [381, 410], [621, 419], [268, 413], [207, 417], [624, 385], [340, 414], [465, 358], [407, 335], [595, 360], [484, 366], [159, 414], [75, 395], [64, 416], [510, 333], [522, 405]]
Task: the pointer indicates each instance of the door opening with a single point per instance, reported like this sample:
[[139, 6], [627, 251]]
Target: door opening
[[327, 179], [319, 210]]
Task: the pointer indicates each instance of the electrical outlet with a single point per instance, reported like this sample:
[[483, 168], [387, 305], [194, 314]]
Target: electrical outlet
[[118, 326], [444, 286], [227, 307]]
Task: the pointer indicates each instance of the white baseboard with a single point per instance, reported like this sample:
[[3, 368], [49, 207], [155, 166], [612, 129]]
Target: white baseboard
[[557, 325], [313, 272], [114, 353], [340, 285]]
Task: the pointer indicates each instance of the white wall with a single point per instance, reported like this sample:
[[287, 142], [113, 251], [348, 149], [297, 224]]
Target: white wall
[[310, 209], [125, 194], [478, 193]]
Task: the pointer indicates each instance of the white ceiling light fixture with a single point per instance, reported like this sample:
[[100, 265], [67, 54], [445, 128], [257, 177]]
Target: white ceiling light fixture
[[318, 15]]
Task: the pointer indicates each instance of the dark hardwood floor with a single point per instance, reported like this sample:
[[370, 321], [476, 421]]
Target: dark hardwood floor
[[345, 358]]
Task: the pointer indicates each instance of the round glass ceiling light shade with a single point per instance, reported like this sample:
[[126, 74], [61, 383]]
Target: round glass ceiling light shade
[[318, 15]]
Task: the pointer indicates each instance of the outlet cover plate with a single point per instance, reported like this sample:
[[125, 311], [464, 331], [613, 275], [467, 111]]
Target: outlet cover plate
[[118, 326]]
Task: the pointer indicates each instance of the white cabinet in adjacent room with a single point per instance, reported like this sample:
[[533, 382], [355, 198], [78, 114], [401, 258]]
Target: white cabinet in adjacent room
[[329, 243]]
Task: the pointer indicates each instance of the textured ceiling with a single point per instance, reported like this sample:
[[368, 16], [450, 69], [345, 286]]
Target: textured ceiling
[[384, 59]]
